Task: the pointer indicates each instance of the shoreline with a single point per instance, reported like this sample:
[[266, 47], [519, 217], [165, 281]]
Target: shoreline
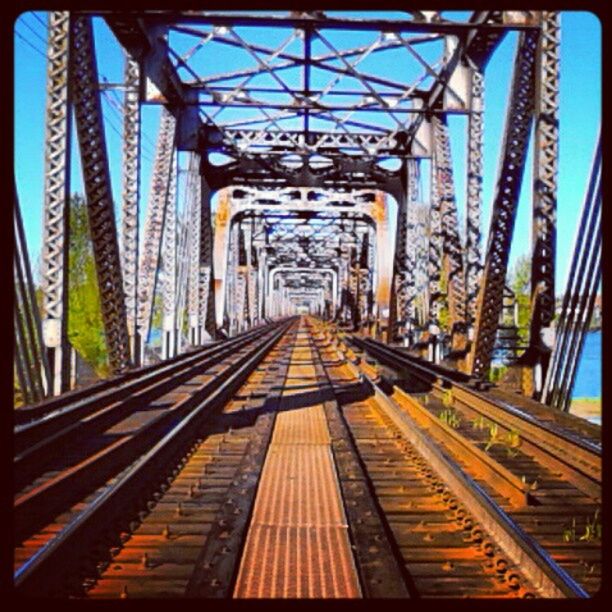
[[586, 407]]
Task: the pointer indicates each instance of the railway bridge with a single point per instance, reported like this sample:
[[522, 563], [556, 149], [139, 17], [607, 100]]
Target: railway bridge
[[301, 325]]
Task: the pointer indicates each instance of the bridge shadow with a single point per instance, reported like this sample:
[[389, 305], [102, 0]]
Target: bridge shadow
[[247, 417]]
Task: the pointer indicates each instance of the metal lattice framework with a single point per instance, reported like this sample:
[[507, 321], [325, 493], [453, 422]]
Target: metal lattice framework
[[453, 252], [303, 137], [131, 181], [545, 178], [154, 223], [96, 178], [518, 125], [57, 192], [473, 264], [169, 267]]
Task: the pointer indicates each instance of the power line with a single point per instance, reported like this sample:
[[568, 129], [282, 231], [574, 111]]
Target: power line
[[27, 42], [27, 25], [42, 23], [147, 153]]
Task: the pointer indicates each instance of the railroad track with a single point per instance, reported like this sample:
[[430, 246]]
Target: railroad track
[[308, 481], [546, 476], [125, 449]]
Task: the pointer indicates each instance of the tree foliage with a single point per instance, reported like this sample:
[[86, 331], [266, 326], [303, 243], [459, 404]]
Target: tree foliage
[[85, 326], [520, 283]]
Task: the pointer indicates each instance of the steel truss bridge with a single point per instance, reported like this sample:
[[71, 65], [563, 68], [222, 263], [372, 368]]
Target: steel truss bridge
[[303, 155]]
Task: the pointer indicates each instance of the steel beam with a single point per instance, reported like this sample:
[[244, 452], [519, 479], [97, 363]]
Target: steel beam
[[96, 179], [131, 195], [193, 221], [545, 160], [56, 202], [473, 263], [434, 258], [169, 322], [31, 359], [154, 223], [514, 153], [452, 248]]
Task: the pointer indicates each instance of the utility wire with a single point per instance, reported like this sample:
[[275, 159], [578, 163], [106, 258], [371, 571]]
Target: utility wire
[[25, 40], [27, 25]]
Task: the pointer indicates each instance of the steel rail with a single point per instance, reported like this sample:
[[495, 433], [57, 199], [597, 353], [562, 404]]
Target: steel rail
[[579, 453], [38, 504], [524, 550], [71, 406], [38, 441], [53, 559]]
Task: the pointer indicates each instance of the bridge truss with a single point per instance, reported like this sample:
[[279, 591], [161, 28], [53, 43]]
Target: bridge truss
[[312, 150]]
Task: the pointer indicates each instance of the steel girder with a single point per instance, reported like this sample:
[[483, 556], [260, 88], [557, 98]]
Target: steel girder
[[583, 279], [514, 152], [30, 359], [149, 37], [452, 248], [56, 201], [545, 160], [401, 272], [96, 178], [206, 289], [131, 194], [473, 263], [408, 255], [169, 323], [154, 223], [436, 242], [193, 222]]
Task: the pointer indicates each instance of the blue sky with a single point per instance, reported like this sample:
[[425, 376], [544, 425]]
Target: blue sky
[[580, 116]]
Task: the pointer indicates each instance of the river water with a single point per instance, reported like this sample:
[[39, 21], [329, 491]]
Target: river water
[[588, 377]]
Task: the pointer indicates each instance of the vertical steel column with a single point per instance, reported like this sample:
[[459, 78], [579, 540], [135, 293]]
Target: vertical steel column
[[397, 307], [131, 189], [434, 264], [206, 289], [412, 238], [514, 152], [56, 203], [545, 160], [422, 263], [193, 219], [96, 179], [29, 341], [473, 269], [169, 268], [452, 249], [154, 223]]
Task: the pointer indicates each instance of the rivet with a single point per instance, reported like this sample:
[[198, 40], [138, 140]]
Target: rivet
[[124, 593], [166, 532], [145, 560]]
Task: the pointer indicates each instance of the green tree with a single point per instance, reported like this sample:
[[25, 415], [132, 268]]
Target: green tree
[[520, 283], [85, 326]]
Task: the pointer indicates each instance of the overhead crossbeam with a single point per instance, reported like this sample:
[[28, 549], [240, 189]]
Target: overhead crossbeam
[[96, 179], [514, 153]]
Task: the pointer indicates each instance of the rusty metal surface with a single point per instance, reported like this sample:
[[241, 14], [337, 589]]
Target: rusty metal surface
[[159, 556], [119, 494], [298, 544], [557, 504]]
